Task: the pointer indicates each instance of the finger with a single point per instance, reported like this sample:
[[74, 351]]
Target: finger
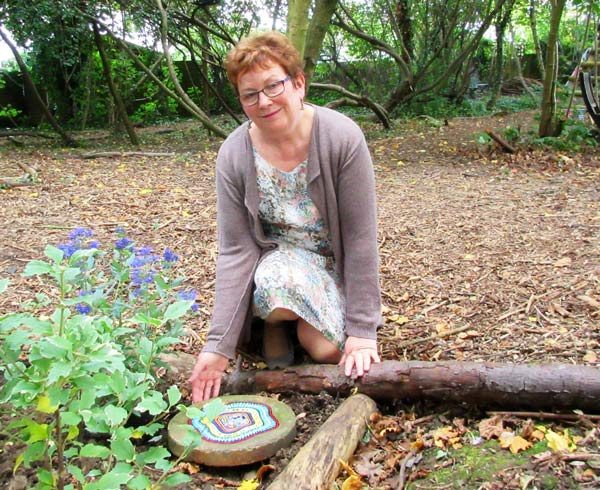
[[367, 362], [375, 356], [359, 364], [349, 364], [198, 394], [207, 390], [216, 388]]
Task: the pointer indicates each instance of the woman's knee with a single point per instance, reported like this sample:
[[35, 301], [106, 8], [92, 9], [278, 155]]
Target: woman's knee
[[317, 345]]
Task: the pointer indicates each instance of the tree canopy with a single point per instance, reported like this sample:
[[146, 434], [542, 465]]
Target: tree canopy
[[116, 63]]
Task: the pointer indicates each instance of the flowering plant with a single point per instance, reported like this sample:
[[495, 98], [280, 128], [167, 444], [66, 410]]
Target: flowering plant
[[88, 366]]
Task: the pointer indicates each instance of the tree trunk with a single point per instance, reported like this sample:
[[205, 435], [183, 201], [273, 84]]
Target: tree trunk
[[297, 23], [550, 123], [404, 22], [120, 106], [317, 29], [497, 76], [518, 386], [317, 464], [200, 114], [536, 38], [67, 139]]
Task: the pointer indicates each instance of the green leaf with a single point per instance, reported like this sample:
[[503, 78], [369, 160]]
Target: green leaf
[[34, 452], [94, 451], [176, 479], [55, 347], [153, 404], [45, 405], [214, 408], [54, 254], [70, 274], [70, 418], [177, 309], [115, 415], [37, 267], [112, 480], [37, 432], [59, 370], [3, 285], [140, 482], [123, 449], [117, 383], [174, 395], [193, 412], [153, 455], [45, 477], [76, 472]]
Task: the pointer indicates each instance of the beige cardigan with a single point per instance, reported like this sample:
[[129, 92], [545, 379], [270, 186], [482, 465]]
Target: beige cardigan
[[341, 183]]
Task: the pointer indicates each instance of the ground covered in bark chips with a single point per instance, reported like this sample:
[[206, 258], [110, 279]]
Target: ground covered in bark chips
[[485, 256]]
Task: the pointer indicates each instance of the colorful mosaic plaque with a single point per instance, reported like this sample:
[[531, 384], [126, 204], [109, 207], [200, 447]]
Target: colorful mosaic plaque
[[248, 429]]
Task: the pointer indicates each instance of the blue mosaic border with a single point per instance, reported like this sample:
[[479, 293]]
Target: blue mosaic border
[[213, 432]]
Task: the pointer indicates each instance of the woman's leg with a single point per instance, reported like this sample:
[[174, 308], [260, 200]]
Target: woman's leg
[[316, 344], [277, 347]]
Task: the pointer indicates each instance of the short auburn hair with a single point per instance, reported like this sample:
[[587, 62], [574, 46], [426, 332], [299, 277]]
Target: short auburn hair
[[262, 50]]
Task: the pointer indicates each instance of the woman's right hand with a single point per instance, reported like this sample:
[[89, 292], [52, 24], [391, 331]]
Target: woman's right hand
[[207, 374]]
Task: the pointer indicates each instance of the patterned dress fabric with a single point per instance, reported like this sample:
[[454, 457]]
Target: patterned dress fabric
[[299, 275]]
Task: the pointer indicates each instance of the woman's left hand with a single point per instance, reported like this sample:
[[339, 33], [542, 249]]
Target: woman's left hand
[[359, 353]]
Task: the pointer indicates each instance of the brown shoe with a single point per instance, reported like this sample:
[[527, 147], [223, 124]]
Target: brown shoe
[[278, 350]]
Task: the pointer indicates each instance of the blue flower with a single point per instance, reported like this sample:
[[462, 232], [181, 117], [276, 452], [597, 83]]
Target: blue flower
[[69, 248], [140, 276], [144, 251], [83, 308], [189, 295], [94, 244], [123, 243], [80, 233], [119, 230], [170, 256]]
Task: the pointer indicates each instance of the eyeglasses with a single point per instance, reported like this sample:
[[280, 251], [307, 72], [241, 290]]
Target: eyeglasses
[[273, 89]]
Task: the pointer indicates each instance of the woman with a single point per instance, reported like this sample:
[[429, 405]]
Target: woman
[[297, 224]]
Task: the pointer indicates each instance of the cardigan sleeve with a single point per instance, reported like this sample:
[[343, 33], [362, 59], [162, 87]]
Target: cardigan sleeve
[[238, 254], [357, 208]]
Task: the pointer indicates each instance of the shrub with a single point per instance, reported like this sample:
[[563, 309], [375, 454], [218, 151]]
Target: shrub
[[87, 366]]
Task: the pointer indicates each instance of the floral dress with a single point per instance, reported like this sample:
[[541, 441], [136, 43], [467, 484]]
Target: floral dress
[[299, 275]]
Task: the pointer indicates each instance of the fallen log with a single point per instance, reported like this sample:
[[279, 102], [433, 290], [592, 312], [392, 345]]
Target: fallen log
[[120, 154], [317, 464], [506, 386], [505, 145]]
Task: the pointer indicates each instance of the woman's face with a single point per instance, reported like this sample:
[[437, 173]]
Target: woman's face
[[279, 113]]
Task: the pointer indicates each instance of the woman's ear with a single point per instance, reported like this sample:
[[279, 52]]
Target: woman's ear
[[300, 83]]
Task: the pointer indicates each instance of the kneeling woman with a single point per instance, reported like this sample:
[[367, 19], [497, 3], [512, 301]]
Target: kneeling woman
[[297, 224]]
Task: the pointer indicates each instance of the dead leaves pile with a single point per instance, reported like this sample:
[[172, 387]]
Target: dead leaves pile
[[402, 448]]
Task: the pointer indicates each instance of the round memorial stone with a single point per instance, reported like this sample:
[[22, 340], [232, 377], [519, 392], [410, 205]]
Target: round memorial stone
[[250, 428]]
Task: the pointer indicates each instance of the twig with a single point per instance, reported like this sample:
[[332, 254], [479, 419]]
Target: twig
[[402, 477], [545, 415], [434, 307], [32, 172], [15, 183], [432, 337], [512, 312]]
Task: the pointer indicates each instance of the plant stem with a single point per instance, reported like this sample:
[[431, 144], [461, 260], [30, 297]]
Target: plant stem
[[60, 484], [62, 305]]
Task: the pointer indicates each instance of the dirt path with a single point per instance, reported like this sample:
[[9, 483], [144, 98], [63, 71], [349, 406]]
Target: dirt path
[[503, 248]]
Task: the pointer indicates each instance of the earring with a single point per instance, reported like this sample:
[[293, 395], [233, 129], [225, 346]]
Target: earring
[[301, 104]]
